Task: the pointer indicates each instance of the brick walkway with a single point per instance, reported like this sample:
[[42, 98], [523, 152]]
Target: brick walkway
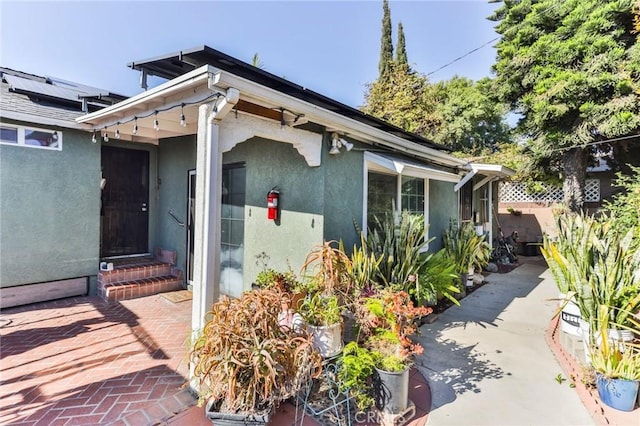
[[83, 361]]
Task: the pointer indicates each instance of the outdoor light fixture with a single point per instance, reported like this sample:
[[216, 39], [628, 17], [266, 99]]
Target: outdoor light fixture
[[183, 122], [337, 142], [117, 134], [156, 125], [135, 125], [93, 137], [106, 135]]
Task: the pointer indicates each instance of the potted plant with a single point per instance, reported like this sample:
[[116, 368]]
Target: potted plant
[[322, 315], [388, 319], [617, 368], [244, 364], [467, 250], [286, 282]]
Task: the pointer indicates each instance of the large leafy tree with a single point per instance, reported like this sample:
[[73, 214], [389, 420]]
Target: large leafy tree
[[403, 98], [471, 121], [571, 69]]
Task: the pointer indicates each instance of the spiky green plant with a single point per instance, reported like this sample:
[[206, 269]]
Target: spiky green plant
[[465, 248], [400, 248]]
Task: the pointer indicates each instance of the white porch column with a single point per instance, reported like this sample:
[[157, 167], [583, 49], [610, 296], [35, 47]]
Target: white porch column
[[206, 286]]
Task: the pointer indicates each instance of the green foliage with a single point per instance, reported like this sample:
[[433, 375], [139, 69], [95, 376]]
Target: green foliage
[[386, 43], [365, 266], [571, 71], [471, 120], [464, 248], [320, 309], [609, 358], [244, 360], [405, 99], [386, 320], [355, 374], [625, 205], [283, 281], [401, 49], [399, 249], [437, 277], [595, 266]]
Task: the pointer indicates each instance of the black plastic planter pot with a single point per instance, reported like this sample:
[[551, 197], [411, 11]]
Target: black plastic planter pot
[[236, 419]]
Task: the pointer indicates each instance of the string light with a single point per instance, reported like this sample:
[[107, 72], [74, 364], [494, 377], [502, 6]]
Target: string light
[[183, 120]]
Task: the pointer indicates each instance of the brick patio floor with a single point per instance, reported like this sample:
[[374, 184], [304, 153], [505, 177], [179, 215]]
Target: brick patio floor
[[83, 361]]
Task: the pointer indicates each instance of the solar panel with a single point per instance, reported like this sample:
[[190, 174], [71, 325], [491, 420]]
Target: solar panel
[[19, 84]]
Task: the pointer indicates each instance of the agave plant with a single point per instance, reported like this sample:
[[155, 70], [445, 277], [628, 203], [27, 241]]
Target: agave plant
[[244, 360]]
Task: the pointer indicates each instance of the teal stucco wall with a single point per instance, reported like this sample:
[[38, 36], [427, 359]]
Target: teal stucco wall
[[288, 241], [443, 207], [176, 156], [49, 210], [343, 192]]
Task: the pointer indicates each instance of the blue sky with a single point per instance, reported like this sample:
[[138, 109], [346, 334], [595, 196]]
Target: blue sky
[[331, 47]]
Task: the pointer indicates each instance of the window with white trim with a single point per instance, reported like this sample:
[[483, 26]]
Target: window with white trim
[[31, 137]]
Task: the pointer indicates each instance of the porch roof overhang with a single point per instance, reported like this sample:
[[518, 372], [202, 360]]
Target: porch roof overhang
[[207, 82], [396, 165], [490, 171]]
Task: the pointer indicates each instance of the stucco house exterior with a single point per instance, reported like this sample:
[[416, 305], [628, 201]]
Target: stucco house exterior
[[222, 130]]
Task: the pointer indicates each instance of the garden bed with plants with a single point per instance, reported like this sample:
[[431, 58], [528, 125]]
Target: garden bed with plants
[[596, 265], [337, 335]]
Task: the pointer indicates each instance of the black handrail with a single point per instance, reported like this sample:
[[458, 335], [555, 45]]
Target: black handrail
[[175, 218]]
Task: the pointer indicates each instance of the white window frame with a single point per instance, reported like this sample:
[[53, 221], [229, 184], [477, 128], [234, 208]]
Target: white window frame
[[379, 164], [22, 131]]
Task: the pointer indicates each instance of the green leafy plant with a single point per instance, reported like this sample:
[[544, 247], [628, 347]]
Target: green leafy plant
[[399, 247], [465, 248], [244, 361], [387, 321], [595, 266], [319, 309], [614, 360], [436, 278], [355, 373], [624, 208]]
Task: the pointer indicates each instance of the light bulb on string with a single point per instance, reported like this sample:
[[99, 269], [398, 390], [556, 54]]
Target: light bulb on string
[[117, 134], [183, 122], [156, 125], [135, 125], [106, 135], [93, 137]]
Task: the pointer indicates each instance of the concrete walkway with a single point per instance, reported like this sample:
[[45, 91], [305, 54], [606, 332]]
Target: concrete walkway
[[487, 362]]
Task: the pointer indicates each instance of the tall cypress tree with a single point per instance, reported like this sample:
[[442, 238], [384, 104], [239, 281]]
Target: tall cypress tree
[[401, 49], [386, 44]]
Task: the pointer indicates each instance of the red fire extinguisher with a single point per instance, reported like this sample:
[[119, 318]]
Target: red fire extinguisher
[[272, 204]]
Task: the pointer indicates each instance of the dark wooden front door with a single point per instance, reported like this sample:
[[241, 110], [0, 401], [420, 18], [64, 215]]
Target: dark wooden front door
[[125, 202]]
